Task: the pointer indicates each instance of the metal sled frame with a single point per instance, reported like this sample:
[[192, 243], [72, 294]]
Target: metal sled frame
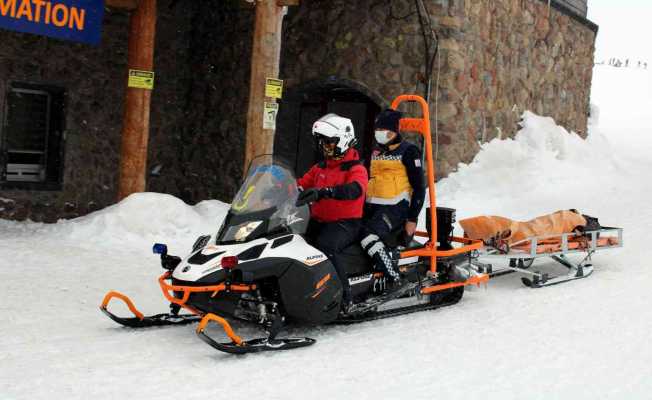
[[422, 126], [518, 258]]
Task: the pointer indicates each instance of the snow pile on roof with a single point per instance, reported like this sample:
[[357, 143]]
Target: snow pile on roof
[[140, 220], [544, 164]]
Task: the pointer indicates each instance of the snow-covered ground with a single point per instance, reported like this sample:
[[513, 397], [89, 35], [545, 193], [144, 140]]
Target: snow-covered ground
[[587, 339]]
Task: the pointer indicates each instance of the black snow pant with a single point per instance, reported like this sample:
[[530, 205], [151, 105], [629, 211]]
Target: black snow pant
[[380, 222], [331, 238]]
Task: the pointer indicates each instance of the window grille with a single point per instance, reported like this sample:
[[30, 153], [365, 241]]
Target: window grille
[[28, 116], [32, 136]]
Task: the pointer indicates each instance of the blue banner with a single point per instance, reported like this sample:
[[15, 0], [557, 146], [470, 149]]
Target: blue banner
[[76, 20]]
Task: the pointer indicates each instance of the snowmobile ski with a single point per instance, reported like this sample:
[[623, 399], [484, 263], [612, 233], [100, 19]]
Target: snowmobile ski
[[164, 319], [257, 345], [142, 321], [575, 271], [239, 346], [542, 280]]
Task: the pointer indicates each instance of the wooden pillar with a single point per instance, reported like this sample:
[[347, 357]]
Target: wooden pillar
[[265, 59], [135, 126]]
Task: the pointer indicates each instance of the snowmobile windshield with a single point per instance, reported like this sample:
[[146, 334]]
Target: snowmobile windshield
[[265, 204]]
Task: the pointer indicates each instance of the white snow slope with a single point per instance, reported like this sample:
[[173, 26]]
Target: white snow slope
[[587, 339]]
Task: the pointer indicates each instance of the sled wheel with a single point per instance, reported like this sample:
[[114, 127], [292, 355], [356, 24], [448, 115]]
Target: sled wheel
[[521, 263]]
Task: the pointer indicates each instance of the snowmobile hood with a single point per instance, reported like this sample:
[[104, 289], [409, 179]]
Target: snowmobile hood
[[208, 260]]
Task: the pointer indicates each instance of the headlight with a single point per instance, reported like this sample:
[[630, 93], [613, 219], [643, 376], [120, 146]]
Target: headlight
[[245, 230]]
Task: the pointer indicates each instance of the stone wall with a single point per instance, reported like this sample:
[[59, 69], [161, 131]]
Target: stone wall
[[504, 57], [495, 60], [377, 44]]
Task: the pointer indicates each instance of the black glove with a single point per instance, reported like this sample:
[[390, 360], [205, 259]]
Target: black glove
[[312, 195]]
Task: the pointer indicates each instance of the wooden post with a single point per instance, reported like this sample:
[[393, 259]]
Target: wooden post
[[265, 59], [135, 126]]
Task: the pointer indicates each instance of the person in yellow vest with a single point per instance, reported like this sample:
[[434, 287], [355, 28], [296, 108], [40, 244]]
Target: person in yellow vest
[[395, 194]]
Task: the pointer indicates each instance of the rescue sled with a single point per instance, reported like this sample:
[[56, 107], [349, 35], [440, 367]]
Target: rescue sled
[[259, 268], [561, 248]]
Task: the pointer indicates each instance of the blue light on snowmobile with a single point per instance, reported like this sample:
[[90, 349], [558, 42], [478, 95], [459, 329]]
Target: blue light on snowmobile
[[160, 248]]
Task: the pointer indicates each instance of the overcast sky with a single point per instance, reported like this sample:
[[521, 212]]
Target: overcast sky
[[625, 29]]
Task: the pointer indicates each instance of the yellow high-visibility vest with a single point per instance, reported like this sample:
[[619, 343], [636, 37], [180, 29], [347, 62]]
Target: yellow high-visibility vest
[[388, 181]]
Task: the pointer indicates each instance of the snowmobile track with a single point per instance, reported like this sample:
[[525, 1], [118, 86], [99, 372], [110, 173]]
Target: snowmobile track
[[372, 316]]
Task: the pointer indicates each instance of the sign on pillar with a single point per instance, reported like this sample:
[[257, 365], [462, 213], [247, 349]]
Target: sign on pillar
[[269, 115]]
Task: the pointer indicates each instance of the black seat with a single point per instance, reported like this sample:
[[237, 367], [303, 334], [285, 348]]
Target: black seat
[[355, 260]]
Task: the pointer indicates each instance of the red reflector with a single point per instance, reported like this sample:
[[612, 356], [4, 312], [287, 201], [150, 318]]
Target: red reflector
[[229, 262]]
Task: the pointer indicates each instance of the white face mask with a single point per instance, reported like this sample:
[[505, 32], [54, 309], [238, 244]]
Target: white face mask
[[382, 136]]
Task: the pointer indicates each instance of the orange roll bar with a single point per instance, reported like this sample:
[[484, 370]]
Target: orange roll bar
[[225, 325], [422, 126], [124, 298]]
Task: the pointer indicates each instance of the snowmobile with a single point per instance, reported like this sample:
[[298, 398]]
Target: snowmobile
[[260, 268]]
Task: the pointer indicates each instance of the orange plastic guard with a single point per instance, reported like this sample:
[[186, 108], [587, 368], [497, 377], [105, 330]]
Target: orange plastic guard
[[225, 325], [186, 290], [124, 298]]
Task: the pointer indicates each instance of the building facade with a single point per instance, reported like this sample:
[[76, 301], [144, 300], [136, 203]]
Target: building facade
[[480, 63]]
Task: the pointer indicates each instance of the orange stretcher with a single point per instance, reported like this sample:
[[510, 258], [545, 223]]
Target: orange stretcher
[[519, 252]]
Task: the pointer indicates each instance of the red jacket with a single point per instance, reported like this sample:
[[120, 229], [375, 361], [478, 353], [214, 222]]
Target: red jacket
[[334, 173]]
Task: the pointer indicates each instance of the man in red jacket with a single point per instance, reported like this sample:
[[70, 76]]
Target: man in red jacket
[[337, 188]]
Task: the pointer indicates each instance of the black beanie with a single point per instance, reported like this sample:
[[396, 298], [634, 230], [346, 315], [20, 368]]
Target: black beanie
[[389, 119]]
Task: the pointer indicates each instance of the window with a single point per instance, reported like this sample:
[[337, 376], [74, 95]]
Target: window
[[32, 137]]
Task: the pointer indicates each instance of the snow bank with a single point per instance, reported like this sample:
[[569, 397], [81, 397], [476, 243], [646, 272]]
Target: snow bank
[[136, 222], [544, 168]]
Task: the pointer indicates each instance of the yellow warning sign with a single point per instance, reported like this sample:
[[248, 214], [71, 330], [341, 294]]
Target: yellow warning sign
[[269, 116], [273, 88], [141, 79]]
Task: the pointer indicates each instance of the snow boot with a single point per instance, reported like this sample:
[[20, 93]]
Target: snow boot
[[385, 260]]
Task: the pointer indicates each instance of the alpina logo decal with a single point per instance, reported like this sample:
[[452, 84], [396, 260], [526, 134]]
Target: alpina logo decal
[[312, 260]]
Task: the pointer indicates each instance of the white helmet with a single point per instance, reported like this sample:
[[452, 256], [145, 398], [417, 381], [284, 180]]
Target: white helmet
[[333, 128]]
